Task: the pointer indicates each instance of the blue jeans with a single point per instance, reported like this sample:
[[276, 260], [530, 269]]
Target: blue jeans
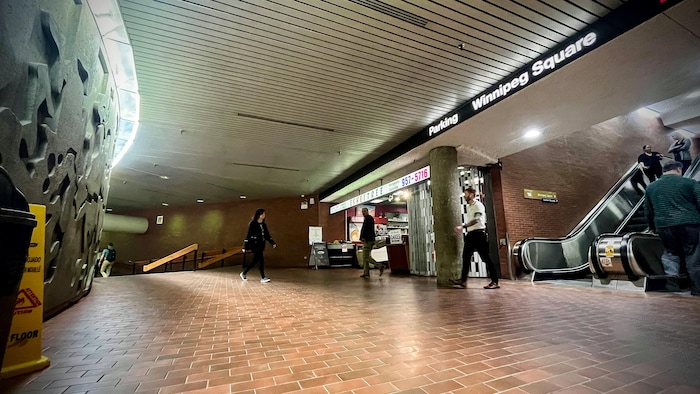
[[682, 241]]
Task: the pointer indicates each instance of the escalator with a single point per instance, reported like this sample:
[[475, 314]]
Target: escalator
[[631, 252], [617, 223], [620, 210]]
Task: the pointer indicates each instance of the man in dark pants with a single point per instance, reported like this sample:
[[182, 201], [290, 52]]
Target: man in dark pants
[[368, 237], [475, 240], [672, 208]]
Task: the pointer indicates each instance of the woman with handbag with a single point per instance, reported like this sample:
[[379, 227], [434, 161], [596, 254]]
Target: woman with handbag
[[258, 234]]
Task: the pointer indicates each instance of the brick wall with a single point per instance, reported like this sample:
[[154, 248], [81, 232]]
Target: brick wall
[[214, 226]]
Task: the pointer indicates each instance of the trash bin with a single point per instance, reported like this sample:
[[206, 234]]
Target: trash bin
[[16, 225]]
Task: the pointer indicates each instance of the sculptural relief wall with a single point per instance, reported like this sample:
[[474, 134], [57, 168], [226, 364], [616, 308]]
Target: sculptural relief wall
[[58, 125]]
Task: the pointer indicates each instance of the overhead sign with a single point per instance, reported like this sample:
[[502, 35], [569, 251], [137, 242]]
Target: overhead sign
[[537, 69], [397, 184]]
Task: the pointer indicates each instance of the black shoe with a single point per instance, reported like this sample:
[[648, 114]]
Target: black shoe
[[492, 285], [459, 282], [364, 276], [459, 286]]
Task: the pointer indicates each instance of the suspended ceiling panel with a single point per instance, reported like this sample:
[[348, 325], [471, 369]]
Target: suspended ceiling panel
[[280, 98]]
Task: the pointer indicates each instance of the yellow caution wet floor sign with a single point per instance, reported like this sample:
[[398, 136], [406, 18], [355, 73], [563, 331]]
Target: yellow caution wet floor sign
[[23, 350]]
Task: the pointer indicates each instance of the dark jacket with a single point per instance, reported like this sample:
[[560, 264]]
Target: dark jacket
[[367, 233], [672, 201], [257, 235]]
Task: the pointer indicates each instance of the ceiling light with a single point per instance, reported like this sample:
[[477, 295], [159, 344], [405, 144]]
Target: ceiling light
[[200, 200], [460, 167], [242, 197], [109, 209], [164, 177], [647, 113], [377, 201], [532, 133], [165, 204]]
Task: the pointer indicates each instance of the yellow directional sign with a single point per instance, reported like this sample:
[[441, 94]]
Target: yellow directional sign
[[539, 194]]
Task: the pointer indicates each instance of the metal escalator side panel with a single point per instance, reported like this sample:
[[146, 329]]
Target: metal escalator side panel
[[693, 171], [644, 254], [624, 186], [594, 262], [517, 252], [624, 256]]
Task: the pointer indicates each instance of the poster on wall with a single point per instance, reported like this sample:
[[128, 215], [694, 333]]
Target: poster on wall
[[315, 234]]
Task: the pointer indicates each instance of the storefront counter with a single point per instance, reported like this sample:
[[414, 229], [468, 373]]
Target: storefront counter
[[341, 255], [398, 258]]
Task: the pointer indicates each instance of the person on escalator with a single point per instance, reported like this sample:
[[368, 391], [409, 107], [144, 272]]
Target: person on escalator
[[680, 149], [650, 162], [672, 208]]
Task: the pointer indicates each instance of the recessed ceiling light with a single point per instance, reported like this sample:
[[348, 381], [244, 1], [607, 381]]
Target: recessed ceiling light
[[200, 200], [165, 204], [532, 133], [109, 209], [164, 177], [242, 197], [377, 201]]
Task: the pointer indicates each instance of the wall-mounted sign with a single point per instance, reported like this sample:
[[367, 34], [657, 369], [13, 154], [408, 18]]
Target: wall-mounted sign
[[537, 69], [397, 184], [550, 200], [539, 194]]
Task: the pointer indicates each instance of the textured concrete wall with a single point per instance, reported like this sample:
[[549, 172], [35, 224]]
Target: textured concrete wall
[[57, 130]]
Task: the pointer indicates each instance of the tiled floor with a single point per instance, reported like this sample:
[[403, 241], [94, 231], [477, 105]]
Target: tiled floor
[[329, 331]]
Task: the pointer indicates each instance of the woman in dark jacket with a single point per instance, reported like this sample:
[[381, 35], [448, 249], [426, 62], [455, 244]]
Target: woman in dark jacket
[[257, 235]]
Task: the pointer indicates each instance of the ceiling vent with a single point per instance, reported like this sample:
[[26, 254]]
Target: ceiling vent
[[390, 10]]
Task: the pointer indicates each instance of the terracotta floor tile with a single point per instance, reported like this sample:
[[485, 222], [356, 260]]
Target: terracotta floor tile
[[323, 331]]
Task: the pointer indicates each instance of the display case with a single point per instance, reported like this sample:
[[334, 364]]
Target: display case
[[341, 255], [398, 255]]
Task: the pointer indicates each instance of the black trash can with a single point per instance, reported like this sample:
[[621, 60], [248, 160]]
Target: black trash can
[[16, 226]]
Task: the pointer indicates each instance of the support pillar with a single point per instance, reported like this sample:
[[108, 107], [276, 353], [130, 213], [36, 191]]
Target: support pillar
[[447, 213]]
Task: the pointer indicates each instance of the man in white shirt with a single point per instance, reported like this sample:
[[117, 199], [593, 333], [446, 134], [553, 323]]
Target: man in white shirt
[[475, 240]]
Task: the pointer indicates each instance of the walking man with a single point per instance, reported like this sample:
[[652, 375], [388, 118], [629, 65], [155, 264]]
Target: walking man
[[475, 240], [368, 237], [672, 208]]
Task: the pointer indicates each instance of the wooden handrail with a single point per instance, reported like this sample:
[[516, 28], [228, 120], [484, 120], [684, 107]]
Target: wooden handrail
[[170, 257], [220, 257]]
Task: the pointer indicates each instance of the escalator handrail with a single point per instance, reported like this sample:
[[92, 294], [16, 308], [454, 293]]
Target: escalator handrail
[[629, 217], [613, 191]]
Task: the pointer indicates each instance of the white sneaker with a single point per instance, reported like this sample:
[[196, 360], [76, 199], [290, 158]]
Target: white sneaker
[[242, 276], [264, 280]]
